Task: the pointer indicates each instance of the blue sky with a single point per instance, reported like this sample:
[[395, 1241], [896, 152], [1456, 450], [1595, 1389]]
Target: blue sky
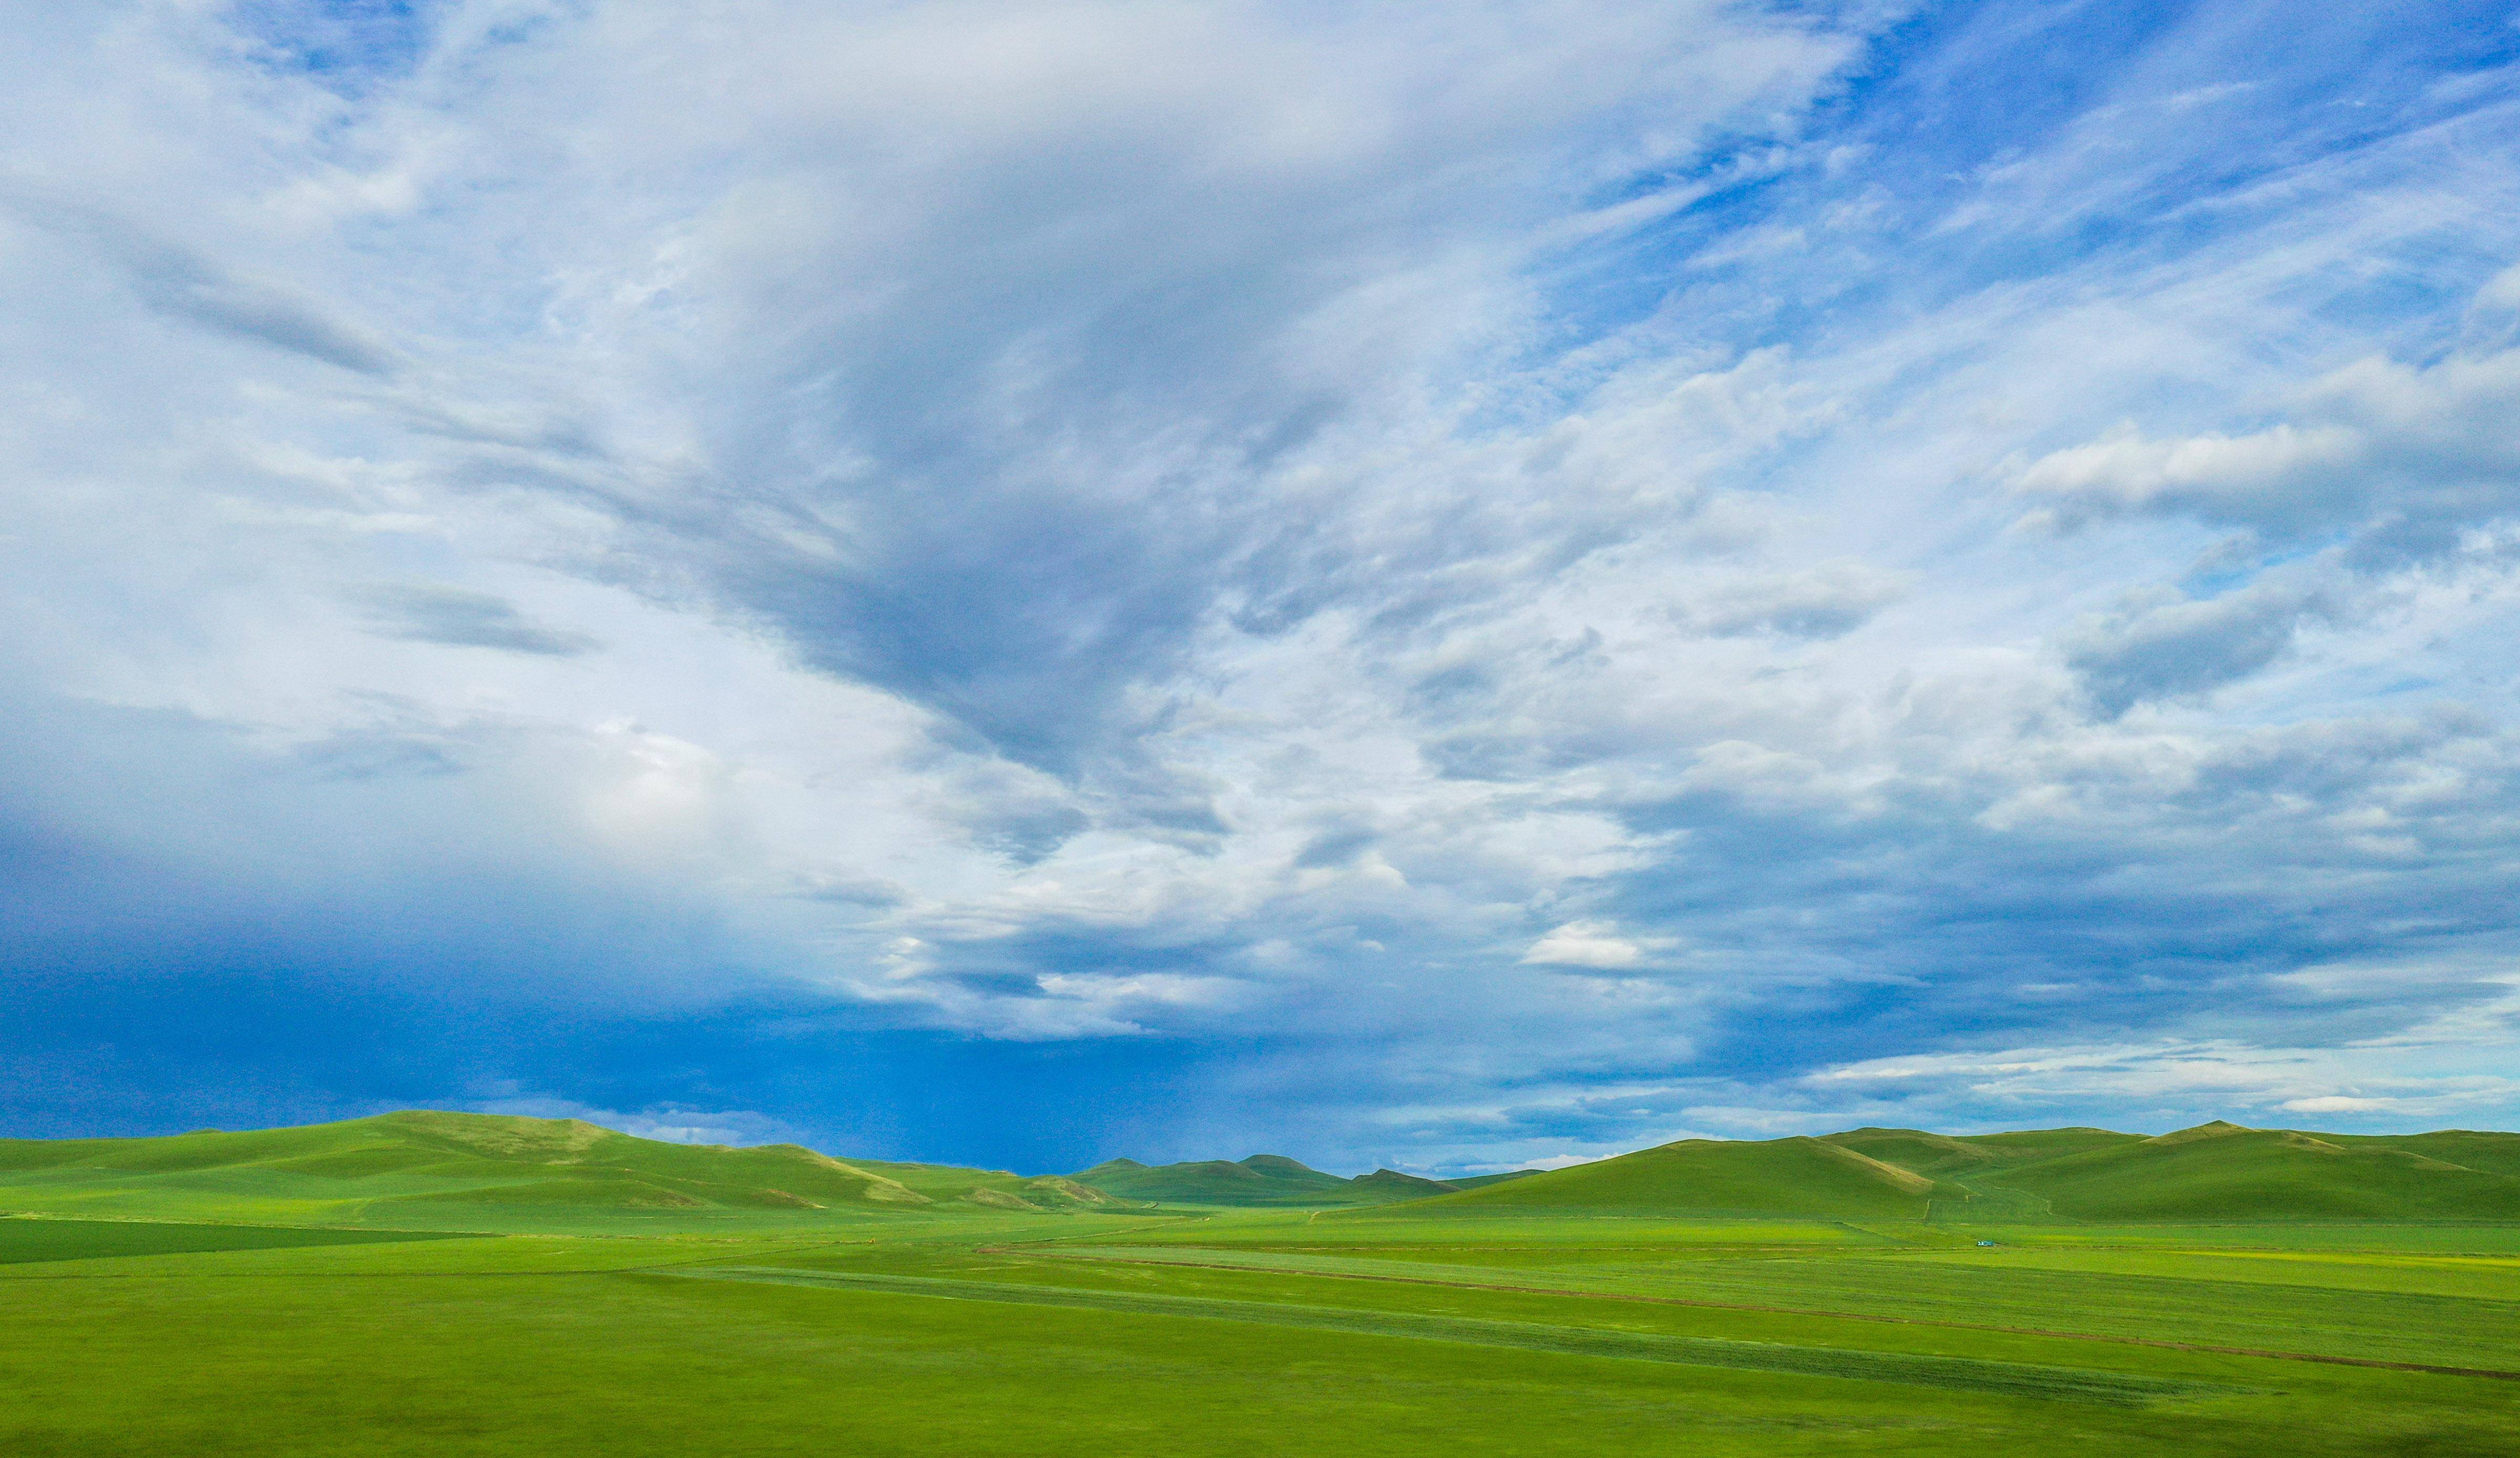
[[1019, 583]]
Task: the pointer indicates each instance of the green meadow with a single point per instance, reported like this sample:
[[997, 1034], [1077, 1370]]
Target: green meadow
[[447, 1284]]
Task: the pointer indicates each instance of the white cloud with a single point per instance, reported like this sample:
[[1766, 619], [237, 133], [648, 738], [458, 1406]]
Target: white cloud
[[1587, 944], [2221, 473], [2165, 1081]]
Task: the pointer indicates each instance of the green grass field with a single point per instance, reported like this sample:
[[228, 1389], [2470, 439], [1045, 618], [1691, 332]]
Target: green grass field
[[320, 1292]]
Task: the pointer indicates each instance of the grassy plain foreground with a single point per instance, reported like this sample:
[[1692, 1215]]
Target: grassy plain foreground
[[349, 1310]]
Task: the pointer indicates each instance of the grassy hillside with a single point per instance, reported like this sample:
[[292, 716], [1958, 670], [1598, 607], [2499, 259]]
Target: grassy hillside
[[1394, 1185], [428, 1168], [2024, 1146], [1259, 1182], [441, 1172], [997, 1189], [2491, 1153], [1796, 1177], [2223, 1171], [1917, 1152]]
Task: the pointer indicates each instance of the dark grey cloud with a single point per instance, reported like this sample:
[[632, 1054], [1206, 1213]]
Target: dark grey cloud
[[854, 890], [181, 282], [1025, 833], [430, 613], [1829, 600], [261, 311], [1336, 846], [2164, 645], [357, 756]]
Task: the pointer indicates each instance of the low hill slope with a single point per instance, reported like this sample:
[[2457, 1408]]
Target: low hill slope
[[1917, 1152], [2026, 1146], [1394, 1185], [2489, 1153], [1798, 1177], [996, 1188], [1260, 1181], [407, 1165], [1962, 1156], [2223, 1171]]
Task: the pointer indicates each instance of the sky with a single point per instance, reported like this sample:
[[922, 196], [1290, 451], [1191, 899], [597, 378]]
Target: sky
[[1449, 587]]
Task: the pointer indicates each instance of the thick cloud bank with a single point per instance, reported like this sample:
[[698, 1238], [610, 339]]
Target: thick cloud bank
[[1443, 587]]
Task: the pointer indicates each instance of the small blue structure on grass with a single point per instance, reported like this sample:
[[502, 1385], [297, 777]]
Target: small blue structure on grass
[[1985, 1245]]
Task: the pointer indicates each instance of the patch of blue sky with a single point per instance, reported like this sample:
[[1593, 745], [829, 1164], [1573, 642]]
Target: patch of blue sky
[[2017, 139], [1800, 238], [350, 46]]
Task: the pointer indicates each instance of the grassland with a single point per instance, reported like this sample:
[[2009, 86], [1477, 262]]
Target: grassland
[[195, 1298]]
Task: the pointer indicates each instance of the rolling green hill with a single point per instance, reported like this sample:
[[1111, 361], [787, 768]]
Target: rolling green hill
[[435, 1170], [2225, 1172], [1260, 1181], [2214, 1172], [1795, 1177], [426, 1167], [2023, 1146], [1917, 1152], [2491, 1153]]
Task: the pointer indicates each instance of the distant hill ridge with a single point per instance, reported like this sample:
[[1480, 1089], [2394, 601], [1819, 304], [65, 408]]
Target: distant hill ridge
[[1258, 1181], [422, 1161], [2226, 1171], [2218, 1171], [433, 1169]]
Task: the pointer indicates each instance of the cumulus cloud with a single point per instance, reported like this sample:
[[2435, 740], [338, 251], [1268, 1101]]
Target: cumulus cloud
[[2274, 475], [1586, 944], [2404, 452]]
